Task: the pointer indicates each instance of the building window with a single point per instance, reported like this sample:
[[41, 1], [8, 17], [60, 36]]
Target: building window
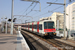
[[73, 10], [72, 17]]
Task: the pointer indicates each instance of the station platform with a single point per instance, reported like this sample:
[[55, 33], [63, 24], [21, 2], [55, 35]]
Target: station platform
[[68, 41], [12, 42]]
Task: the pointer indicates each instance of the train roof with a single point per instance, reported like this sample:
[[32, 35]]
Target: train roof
[[34, 21]]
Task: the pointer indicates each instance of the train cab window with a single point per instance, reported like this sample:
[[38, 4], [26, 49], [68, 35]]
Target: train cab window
[[51, 25], [48, 25], [45, 25]]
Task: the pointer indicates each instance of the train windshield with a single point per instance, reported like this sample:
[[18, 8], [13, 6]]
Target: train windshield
[[48, 25]]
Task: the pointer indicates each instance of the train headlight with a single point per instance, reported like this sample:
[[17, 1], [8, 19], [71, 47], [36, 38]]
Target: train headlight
[[54, 33], [46, 34]]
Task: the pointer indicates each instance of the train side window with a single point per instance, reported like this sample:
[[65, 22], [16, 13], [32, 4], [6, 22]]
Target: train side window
[[25, 25], [30, 26], [33, 26], [40, 27], [36, 26]]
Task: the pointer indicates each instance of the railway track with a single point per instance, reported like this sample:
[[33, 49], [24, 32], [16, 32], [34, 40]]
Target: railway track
[[56, 44], [33, 44], [62, 45]]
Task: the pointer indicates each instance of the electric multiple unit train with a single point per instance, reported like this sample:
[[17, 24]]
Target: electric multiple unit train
[[43, 28]]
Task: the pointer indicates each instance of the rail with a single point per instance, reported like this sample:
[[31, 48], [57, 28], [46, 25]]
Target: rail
[[28, 42]]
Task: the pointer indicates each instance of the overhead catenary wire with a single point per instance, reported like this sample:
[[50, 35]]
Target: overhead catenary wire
[[27, 8], [32, 8], [50, 4], [45, 7], [50, 11]]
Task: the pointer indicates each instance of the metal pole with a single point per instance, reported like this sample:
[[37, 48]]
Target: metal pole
[[6, 26], [69, 23], [64, 17], [40, 6], [12, 17], [57, 25]]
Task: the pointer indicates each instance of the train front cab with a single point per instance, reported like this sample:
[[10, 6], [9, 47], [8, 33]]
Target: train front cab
[[49, 28]]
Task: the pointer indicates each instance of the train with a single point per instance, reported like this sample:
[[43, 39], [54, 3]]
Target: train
[[42, 28]]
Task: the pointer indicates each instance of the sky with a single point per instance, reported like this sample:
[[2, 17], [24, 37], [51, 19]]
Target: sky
[[24, 8]]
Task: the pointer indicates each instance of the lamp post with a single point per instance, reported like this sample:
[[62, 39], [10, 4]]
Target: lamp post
[[2, 24], [12, 17], [64, 18], [12, 13], [6, 25]]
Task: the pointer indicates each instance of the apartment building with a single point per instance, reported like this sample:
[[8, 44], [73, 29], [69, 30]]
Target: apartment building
[[58, 19], [70, 18]]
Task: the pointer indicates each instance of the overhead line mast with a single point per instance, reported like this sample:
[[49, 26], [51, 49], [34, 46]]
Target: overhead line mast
[[64, 14]]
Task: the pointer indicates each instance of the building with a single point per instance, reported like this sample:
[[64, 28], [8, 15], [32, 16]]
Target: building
[[70, 18], [45, 18], [58, 19]]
